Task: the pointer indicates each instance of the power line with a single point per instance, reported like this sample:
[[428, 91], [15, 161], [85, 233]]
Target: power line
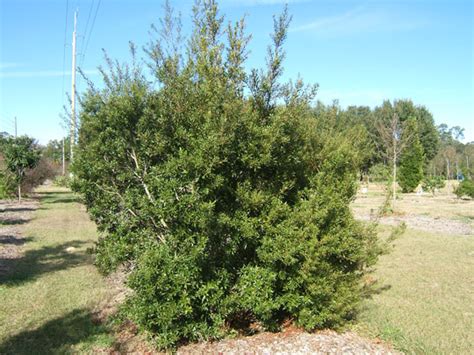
[[90, 32], [86, 28]]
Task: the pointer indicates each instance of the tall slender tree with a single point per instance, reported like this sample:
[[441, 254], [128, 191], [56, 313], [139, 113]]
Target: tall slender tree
[[391, 145]]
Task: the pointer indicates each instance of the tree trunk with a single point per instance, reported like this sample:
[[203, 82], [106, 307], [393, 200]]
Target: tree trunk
[[447, 169], [467, 166], [19, 192], [447, 175], [394, 183]]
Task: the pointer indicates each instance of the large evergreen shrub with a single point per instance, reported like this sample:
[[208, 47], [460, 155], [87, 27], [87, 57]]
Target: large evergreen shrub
[[412, 159], [224, 194]]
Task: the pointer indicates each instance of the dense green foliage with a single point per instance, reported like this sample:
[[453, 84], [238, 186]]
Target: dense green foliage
[[411, 162], [454, 157], [227, 207], [7, 185], [425, 127], [465, 188]]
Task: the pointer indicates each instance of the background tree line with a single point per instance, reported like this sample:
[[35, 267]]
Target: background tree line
[[430, 150]]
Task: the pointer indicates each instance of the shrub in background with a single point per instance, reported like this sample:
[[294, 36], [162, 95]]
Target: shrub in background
[[62, 181], [226, 206], [44, 170], [465, 188], [434, 183], [379, 173]]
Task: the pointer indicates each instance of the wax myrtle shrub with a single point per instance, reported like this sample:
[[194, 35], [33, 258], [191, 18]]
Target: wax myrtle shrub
[[224, 193]]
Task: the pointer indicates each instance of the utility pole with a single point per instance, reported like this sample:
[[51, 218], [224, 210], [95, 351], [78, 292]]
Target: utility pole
[[64, 160], [73, 89], [16, 128]]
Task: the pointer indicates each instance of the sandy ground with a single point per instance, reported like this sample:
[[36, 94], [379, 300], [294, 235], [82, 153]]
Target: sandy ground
[[292, 342], [443, 213], [426, 223]]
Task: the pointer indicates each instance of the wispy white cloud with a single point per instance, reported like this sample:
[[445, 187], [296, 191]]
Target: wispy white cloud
[[41, 73], [361, 20], [7, 65]]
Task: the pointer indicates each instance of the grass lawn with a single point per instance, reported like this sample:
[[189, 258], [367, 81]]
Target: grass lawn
[[48, 301], [426, 299]]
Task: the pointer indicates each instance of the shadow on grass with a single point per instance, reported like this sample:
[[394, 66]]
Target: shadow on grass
[[65, 200], [59, 335], [50, 193], [58, 197], [47, 259], [13, 221], [14, 240], [18, 209], [376, 289]]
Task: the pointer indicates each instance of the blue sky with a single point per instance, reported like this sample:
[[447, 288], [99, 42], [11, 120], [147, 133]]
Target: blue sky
[[359, 52]]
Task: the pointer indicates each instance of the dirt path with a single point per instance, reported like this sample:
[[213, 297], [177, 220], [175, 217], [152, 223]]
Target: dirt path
[[441, 214], [426, 223], [13, 215]]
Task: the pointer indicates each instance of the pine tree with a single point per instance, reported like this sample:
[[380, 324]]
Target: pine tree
[[411, 162]]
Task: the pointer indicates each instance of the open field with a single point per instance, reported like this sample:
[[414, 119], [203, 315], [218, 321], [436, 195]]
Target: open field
[[50, 289], [426, 299]]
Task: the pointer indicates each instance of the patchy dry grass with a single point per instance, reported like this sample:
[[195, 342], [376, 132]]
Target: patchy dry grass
[[444, 204], [49, 297], [426, 299]]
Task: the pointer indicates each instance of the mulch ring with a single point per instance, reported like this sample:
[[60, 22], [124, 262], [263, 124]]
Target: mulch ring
[[292, 342], [13, 216]]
